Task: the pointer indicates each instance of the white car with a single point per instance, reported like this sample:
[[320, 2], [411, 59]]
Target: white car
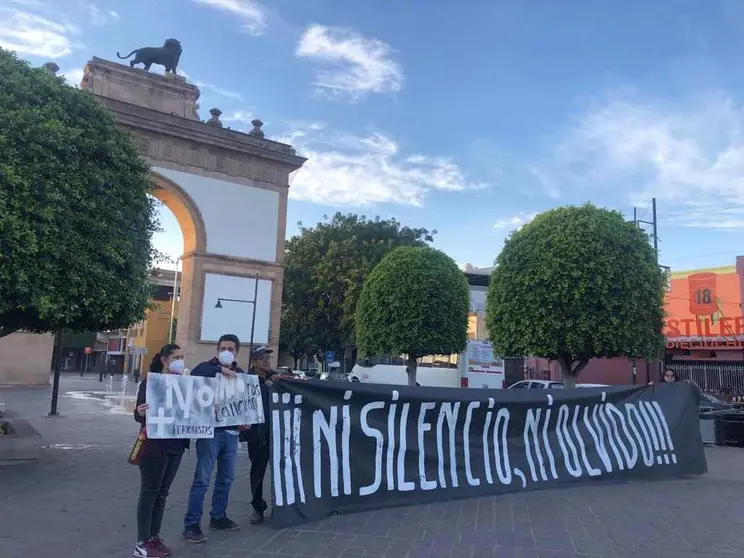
[[548, 384], [536, 384]]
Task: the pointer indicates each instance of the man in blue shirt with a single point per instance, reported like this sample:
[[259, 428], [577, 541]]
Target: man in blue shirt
[[221, 450]]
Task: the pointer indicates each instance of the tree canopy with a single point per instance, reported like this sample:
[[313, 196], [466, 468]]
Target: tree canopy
[[75, 216], [415, 302], [325, 269], [574, 284]]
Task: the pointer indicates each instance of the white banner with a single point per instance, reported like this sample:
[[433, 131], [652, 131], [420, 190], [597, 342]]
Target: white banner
[[192, 406], [239, 401]]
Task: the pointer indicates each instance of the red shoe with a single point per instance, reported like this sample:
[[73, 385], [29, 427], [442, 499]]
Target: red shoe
[[148, 549], [160, 545]]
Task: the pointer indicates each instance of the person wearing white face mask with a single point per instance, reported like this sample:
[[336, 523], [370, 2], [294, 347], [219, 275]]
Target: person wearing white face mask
[[158, 464], [222, 451]]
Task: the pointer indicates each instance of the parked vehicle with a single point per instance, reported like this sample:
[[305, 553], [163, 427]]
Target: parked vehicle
[[476, 368], [536, 384], [548, 384], [333, 375], [395, 374], [312, 373]]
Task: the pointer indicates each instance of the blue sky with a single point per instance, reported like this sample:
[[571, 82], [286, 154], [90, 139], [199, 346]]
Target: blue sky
[[468, 117]]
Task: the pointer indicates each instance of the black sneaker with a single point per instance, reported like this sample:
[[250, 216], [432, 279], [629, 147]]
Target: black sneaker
[[257, 517], [223, 524], [194, 534]]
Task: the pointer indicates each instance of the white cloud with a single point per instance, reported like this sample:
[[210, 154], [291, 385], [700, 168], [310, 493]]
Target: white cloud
[[73, 77], [357, 170], [689, 156], [219, 91], [250, 13], [99, 17], [240, 116], [515, 222], [359, 65], [30, 3], [33, 35]]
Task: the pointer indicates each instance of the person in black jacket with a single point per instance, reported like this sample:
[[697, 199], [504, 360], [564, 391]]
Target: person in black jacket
[[158, 464], [257, 436], [222, 451]]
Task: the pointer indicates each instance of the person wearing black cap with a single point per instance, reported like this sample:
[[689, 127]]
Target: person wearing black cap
[[258, 435]]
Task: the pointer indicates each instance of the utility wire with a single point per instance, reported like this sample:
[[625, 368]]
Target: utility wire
[[701, 211]]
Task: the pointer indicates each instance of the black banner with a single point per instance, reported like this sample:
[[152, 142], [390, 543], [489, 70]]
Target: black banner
[[341, 447]]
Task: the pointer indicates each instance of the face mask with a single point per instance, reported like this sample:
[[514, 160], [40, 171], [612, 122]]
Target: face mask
[[226, 358], [176, 367]]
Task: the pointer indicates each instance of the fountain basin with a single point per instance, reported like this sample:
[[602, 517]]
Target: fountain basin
[[19, 442]]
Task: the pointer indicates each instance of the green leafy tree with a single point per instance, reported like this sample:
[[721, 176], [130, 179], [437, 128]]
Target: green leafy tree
[[75, 216], [325, 269], [415, 302], [574, 284]]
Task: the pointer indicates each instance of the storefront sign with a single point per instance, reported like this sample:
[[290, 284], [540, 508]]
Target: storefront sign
[[705, 327]]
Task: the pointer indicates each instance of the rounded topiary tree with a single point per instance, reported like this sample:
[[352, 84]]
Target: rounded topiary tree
[[75, 216], [414, 302], [574, 284]]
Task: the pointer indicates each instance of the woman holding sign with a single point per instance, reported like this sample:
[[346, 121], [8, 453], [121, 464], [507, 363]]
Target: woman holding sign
[[158, 463]]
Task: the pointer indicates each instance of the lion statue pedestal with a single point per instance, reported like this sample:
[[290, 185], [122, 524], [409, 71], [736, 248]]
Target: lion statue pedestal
[[115, 82]]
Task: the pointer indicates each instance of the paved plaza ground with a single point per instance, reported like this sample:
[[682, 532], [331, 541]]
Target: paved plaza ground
[[79, 500]]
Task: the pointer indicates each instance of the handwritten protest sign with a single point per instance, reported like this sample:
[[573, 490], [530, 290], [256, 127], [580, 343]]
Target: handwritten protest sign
[[180, 406], [192, 406], [239, 401]]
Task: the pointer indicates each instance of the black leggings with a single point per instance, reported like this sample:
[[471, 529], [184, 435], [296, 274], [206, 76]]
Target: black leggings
[[157, 473]]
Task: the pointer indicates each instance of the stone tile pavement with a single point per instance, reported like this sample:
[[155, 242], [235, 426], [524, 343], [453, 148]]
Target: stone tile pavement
[[79, 501]]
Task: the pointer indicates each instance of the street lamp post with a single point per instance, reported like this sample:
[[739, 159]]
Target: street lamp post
[[253, 317], [174, 295], [55, 381]]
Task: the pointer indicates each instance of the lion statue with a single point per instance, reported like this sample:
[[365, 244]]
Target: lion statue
[[167, 55]]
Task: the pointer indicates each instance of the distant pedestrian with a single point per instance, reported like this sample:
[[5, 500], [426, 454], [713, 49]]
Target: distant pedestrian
[[258, 435], [158, 464], [670, 376], [222, 451]]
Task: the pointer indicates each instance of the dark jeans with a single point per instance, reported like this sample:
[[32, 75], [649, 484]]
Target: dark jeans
[[157, 474], [259, 455]]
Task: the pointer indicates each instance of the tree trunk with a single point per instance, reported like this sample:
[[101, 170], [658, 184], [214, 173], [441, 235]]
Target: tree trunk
[[411, 369], [570, 370], [347, 362], [569, 380]]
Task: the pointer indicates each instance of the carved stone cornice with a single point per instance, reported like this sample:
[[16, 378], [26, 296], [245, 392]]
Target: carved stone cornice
[[140, 102], [162, 137]]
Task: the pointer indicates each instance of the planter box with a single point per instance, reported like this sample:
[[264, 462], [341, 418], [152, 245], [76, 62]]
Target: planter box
[[19, 443]]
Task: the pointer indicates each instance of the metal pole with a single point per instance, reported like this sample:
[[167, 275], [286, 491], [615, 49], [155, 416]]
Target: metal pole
[[656, 231], [656, 251], [126, 354], [55, 381], [171, 333], [253, 322], [635, 216]]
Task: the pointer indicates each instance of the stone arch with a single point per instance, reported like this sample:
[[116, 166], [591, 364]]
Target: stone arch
[[185, 210]]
